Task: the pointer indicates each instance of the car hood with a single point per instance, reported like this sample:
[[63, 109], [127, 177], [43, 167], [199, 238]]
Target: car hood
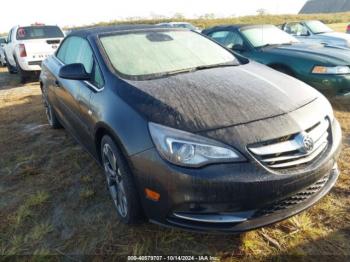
[[215, 98], [337, 35], [325, 54]]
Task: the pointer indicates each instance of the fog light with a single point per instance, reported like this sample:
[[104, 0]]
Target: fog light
[[152, 195]]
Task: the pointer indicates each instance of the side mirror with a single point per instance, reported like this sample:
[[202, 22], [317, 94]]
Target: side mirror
[[239, 48], [74, 72], [305, 33]]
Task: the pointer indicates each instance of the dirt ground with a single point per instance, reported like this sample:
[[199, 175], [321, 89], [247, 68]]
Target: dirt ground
[[53, 200]]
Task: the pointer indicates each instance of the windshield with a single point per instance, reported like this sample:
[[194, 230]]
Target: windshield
[[151, 54], [318, 27], [267, 35], [2, 41], [39, 32]]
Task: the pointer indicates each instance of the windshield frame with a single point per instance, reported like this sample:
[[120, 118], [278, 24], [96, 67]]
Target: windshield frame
[[236, 61], [242, 29]]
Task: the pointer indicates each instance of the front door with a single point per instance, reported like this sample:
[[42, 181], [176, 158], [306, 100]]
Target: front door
[[74, 95]]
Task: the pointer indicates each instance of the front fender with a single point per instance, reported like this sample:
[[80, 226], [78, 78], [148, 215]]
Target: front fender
[[128, 127]]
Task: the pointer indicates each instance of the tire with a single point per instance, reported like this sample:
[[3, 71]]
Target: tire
[[23, 75], [120, 182], [9, 67], [50, 113]]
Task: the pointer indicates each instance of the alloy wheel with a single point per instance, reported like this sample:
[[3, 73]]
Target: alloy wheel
[[48, 110], [115, 181]]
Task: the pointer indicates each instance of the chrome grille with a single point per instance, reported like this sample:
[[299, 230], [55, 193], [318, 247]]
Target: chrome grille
[[294, 150]]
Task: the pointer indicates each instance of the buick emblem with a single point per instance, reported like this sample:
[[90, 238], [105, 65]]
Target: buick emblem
[[308, 143]]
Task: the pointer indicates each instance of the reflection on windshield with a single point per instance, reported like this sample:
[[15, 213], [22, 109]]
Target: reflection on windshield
[[261, 36], [318, 27]]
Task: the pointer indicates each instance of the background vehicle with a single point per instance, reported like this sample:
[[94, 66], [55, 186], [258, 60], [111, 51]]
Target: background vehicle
[[166, 113], [325, 68], [348, 29], [180, 25], [2, 41], [28, 46], [316, 32], [2, 52]]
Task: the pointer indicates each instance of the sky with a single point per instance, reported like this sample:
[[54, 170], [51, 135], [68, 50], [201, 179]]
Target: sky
[[83, 12]]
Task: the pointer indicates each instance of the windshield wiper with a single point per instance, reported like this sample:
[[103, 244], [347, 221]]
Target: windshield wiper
[[269, 45], [175, 72], [324, 32], [273, 45], [193, 69], [290, 43], [203, 67]]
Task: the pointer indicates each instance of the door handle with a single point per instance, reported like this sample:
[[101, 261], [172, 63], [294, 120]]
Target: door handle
[[57, 84]]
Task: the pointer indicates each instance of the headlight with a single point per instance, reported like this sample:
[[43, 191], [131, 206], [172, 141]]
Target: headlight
[[190, 150], [331, 70]]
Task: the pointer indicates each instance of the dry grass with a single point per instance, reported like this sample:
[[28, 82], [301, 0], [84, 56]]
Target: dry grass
[[209, 20], [339, 27], [54, 201]]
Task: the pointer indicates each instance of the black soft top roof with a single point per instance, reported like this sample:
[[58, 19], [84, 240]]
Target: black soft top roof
[[85, 32]]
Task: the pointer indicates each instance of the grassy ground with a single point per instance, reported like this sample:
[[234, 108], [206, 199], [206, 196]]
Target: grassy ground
[[339, 27], [54, 201]]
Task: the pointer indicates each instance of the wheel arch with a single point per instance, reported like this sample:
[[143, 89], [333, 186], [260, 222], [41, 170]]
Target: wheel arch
[[101, 130]]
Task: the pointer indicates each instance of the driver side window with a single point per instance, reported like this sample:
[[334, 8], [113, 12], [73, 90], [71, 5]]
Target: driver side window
[[76, 50], [296, 29], [228, 38], [9, 36]]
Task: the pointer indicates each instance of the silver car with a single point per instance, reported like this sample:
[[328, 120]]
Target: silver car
[[185, 25], [314, 31], [2, 53]]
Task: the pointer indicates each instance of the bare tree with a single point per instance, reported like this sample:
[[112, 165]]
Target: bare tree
[[178, 15], [261, 11], [208, 16]]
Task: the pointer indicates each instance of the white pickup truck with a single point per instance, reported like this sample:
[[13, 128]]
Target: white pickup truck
[[28, 46]]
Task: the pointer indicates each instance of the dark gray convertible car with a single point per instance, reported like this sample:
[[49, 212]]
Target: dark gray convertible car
[[189, 134]]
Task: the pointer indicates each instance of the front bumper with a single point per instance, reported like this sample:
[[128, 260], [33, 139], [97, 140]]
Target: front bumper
[[331, 85], [274, 212], [231, 198]]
